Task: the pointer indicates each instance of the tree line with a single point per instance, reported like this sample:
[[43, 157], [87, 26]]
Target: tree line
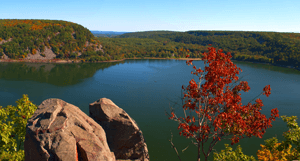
[[67, 40], [269, 47]]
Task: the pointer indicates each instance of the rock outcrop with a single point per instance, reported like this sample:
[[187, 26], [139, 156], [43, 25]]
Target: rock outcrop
[[61, 131], [49, 54], [124, 137]]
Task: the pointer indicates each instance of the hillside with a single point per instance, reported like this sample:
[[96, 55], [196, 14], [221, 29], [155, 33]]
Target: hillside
[[46, 39], [270, 47]]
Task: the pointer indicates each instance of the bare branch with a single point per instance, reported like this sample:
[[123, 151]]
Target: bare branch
[[174, 146], [185, 148]]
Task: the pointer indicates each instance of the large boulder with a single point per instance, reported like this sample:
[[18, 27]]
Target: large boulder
[[61, 131], [124, 137]]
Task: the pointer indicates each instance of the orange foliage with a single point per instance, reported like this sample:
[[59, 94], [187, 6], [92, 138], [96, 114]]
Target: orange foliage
[[33, 51], [37, 25], [267, 155]]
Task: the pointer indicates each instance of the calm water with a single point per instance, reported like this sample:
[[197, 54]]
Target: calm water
[[145, 89]]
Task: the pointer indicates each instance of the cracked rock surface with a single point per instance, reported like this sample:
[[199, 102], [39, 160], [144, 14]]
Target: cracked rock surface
[[61, 131]]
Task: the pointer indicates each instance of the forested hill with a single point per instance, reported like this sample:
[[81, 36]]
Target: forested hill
[[55, 39], [37, 39], [271, 47]]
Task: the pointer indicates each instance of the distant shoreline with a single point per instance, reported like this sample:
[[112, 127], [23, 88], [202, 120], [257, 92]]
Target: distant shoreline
[[60, 61], [256, 62], [79, 60]]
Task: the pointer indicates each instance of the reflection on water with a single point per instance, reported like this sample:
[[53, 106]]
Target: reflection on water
[[269, 67], [56, 74]]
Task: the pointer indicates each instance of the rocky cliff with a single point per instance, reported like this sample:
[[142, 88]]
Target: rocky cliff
[[61, 131]]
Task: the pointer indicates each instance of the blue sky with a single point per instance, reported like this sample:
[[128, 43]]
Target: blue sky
[[172, 15]]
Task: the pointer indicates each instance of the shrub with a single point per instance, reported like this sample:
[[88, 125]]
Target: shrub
[[272, 150]]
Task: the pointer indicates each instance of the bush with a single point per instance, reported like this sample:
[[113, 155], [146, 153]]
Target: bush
[[100, 53], [229, 155], [88, 54], [14, 129], [95, 58], [73, 55], [59, 56], [271, 150]]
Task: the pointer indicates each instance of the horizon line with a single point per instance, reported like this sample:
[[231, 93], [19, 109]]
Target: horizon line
[[202, 30]]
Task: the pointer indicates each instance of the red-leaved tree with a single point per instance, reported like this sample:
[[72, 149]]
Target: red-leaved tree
[[220, 114]]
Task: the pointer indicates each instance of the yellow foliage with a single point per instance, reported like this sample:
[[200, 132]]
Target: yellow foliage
[[266, 155]]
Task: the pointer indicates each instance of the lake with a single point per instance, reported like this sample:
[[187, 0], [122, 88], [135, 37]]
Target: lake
[[145, 89]]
